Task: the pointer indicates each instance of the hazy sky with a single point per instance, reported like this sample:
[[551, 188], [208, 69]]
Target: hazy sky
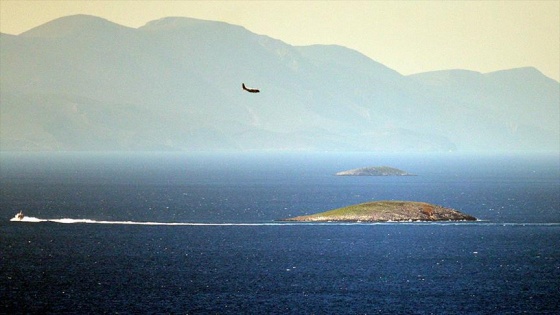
[[407, 36]]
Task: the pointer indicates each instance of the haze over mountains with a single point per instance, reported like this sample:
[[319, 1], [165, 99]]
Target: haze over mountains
[[84, 83]]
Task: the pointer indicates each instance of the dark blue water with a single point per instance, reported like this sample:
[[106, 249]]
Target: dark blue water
[[244, 262]]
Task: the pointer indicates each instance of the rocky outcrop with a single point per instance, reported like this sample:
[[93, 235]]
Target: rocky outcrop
[[387, 211], [374, 171]]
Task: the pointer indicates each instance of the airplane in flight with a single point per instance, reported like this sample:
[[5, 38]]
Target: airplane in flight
[[250, 90]]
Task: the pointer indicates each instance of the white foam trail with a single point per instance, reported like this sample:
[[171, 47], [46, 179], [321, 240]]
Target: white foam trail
[[27, 219], [89, 221]]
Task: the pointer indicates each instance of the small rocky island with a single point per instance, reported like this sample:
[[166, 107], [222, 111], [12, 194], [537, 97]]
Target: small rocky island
[[386, 211], [374, 171]]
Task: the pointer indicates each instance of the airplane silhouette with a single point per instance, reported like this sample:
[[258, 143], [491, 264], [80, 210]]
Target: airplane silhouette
[[249, 89]]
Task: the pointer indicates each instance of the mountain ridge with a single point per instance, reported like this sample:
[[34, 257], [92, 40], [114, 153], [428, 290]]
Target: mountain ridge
[[181, 85], [73, 25]]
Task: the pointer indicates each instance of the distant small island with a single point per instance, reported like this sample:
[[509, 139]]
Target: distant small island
[[374, 171], [387, 211]]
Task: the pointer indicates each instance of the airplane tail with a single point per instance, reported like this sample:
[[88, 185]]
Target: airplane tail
[[250, 90]]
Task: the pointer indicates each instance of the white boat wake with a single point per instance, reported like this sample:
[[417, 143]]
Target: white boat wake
[[89, 221]]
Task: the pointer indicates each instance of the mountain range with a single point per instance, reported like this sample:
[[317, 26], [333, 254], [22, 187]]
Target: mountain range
[[84, 83]]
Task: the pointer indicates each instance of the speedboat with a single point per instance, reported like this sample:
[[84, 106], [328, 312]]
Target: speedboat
[[19, 216]]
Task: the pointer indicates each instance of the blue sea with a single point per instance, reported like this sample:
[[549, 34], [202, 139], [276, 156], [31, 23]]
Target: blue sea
[[198, 234]]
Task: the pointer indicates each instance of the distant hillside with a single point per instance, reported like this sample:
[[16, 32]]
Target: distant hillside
[[374, 171], [386, 211], [85, 83]]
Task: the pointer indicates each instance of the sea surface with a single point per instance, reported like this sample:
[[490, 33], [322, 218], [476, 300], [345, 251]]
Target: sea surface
[[198, 234]]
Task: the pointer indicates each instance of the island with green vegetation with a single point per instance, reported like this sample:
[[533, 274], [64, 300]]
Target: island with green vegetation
[[374, 171], [387, 211]]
